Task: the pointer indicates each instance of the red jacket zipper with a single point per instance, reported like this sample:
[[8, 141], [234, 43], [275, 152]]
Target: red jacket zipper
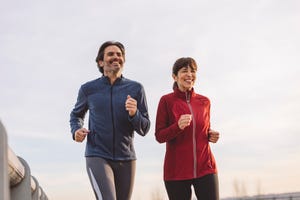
[[188, 98]]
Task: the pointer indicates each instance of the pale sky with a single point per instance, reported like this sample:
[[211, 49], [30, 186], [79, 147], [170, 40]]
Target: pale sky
[[248, 55]]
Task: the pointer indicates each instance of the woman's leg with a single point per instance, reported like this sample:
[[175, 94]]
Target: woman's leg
[[207, 187], [101, 177], [179, 190]]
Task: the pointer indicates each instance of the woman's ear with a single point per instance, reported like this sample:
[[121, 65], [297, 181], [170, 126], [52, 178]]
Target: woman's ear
[[174, 77]]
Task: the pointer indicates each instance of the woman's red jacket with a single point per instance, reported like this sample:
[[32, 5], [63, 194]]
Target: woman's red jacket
[[188, 154]]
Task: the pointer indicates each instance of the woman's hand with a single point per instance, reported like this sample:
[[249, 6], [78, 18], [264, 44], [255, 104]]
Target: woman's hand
[[184, 121], [213, 136]]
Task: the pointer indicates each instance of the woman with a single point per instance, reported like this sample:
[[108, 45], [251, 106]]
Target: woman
[[183, 123]]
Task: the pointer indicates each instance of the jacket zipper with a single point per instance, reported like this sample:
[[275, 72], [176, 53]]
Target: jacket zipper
[[188, 100], [112, 119]]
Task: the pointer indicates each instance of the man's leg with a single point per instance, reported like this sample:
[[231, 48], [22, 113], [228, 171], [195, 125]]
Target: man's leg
[[101, 177], [124, 173]]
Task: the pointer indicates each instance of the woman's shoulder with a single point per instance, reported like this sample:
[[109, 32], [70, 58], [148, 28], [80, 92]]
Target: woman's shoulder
[[202, 97], [167, 97]]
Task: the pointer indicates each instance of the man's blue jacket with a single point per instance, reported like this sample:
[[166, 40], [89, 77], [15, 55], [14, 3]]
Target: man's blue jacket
[[111, 128]]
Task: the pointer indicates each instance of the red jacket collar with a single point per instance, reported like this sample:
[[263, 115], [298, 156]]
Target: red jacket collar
[[184, 95]]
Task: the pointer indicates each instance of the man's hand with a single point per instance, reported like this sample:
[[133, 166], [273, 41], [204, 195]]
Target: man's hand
[[80, 134], [131, 106]]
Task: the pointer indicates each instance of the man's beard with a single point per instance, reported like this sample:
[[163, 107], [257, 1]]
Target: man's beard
[[113, 69]]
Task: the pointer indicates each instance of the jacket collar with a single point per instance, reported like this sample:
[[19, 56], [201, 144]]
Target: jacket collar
[[184, 95], [107, 81]]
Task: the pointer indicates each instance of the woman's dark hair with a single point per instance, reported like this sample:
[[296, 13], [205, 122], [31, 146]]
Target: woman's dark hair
[[181, 63], [100, 55]]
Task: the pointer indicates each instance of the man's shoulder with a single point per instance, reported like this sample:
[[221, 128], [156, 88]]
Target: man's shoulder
[[91, 83], [131, 82], [91, 86]]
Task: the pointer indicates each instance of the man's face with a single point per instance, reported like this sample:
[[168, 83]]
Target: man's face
[[113, 60]]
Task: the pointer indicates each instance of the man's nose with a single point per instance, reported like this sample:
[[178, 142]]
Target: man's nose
[[115, 55]]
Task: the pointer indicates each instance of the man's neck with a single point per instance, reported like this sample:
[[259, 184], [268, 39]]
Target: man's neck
[[113, 77]]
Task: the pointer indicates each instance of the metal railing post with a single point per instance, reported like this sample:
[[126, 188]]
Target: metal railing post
[[35, 192], [4, 178], [23, 189], [16, 181], [42, 194]]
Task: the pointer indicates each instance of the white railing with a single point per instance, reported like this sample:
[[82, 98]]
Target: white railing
[[283, 196], [16, 181]]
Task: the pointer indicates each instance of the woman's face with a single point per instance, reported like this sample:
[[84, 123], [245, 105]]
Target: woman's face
[[185, 78]]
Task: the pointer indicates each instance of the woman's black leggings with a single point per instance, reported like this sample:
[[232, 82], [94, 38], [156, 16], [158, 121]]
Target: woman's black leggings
[[206, 188], [111, 180]]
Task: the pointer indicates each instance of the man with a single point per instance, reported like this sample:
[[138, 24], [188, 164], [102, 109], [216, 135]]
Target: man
[[117, 107]]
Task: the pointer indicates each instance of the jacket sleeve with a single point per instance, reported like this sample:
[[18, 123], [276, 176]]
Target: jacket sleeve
[[141, 121], [164, 131], [78, 113]]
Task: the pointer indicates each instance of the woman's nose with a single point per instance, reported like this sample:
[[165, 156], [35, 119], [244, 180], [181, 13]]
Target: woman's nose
[[189, 73]]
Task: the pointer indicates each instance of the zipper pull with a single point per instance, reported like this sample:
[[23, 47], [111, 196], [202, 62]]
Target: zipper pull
[[187, 96]]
